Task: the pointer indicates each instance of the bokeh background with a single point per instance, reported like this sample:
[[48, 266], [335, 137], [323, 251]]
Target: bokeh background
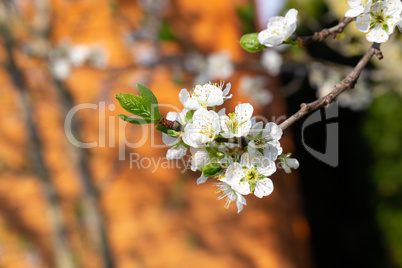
[[65, 206]]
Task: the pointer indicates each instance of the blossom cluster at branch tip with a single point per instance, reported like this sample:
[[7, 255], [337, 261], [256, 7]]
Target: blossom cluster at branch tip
[[377, 19], [233, 149]]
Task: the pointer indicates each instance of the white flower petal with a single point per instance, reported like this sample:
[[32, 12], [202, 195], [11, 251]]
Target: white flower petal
[[273, 131], [269, 39], [168, 140], [243, 187], [202, 179], [263, 188], [245, 160], [355, 3], [354, 12], [187, 136], [222, 112], [187, 101], [176, 153], [378, 35], [244, 111], [240, 201], [393, 8], [363, 23], [291, 16], [272, 150], [266, 166], [199, 158], [251, 147], [292, 163], [233, 174], [172, 116], [226, 90], [244, 129]]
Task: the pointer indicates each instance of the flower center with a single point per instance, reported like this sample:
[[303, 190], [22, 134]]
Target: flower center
[[208, 131], [380, 19], [251, 175], [232, 123]]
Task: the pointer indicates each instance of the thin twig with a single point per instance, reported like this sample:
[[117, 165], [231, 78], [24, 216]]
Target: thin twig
[[348, 82], [324, 33]]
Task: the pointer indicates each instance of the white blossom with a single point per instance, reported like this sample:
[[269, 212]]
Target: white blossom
[[289, 163], [400, 24], [98, 57], [219, 66], [176, 153], [237, 124], [266, 139], [231, 195], [357, 7], [272, 61], [199, 158], [79, 54], [203, 130], [203, 96], [60, 68], [356, 99], [379, 23], [250, 175], [279, 29]]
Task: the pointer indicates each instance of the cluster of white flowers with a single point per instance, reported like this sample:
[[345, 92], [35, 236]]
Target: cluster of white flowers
[[63, 58], [233, 148], [376, 18]]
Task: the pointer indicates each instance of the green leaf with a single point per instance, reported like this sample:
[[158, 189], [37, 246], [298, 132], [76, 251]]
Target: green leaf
[[250, 43], [166, 32], [137, 121], [211, 169], [246, 16], [250, 137], [168, 131], [189, 117], [134, 104], [150, 101]]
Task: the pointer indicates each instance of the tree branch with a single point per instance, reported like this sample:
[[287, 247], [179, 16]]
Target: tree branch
[[349, 82], [324, 33]]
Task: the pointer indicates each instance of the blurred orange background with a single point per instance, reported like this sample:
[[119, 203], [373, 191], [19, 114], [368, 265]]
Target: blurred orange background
[[63, 206]]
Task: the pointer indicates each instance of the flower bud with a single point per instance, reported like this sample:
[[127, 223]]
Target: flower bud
[[250, 43], [220, 154]]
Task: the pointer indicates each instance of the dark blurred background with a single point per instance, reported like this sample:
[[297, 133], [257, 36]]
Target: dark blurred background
[[67, 206]]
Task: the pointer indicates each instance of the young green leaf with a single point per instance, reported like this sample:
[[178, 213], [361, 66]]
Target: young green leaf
[[211, 169], [150, 101], [137, 121], [189, 117], [168, 131], [134, 104]]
